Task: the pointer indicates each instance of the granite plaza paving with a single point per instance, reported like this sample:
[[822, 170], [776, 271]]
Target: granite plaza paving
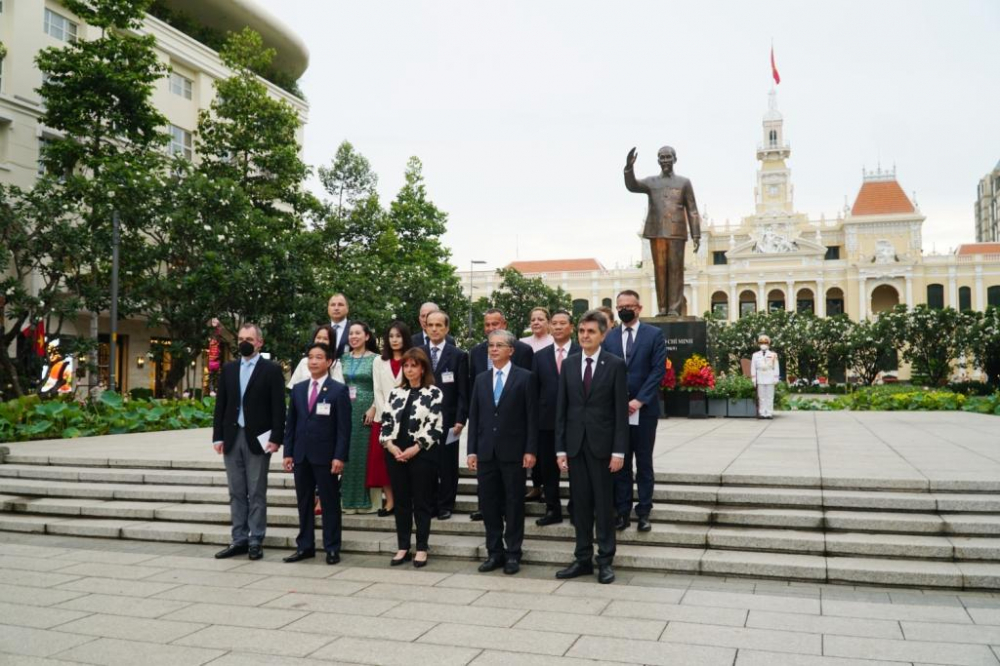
[[764, 532]]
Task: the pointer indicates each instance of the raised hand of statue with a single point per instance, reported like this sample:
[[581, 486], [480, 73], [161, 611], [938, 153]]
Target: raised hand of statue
[[630, 160], [697, 244]]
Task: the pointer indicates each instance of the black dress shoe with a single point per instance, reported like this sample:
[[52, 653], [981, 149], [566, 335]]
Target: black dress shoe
[[333, 557], [300, 555], [476, 515], [420, 564], [533, 495], [395, 562], [382, 513], [622, 522], [512, 567], [256, 552], [490, 564], [575, 570], [445, 514], [232, 550], [548, 519], [644, 524], [605, 574]]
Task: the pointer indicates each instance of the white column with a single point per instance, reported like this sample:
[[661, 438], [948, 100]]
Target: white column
[[952, 289], [790, 300], [862, 299], [819, 301], [980, 293], [734, 302], [761, 297], [909, 292], [695, 310]]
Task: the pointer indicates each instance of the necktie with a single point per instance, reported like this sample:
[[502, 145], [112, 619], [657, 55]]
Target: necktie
[[559, 357], [498, 387], [246, 370], [313, 395], [336, 335], [434, 357], [628, 343], [588, 375]]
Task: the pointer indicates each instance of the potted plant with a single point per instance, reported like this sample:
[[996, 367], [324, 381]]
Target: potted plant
[[696, 378], [718, 397], [667, 393], [741, 397]]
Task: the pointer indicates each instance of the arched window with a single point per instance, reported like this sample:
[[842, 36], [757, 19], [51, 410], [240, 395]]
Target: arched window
[[748, 303], [773, 137], [935, 296], [834, 301], [580, 305], [884, 297], [720, 305], [964, 299], [804, 301], [775, 300], [607, 302], [993, 296]]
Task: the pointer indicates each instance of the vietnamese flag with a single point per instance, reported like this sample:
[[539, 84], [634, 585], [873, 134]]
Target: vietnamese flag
[[774, 69], [40, 338]]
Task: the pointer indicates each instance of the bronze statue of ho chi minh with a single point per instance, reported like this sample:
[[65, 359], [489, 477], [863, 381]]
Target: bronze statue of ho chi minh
[[672, 210]]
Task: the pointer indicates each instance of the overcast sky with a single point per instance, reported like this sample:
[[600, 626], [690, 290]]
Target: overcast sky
[[523, 112]]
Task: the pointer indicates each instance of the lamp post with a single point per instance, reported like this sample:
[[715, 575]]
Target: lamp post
[[472, 267], [113, 346]]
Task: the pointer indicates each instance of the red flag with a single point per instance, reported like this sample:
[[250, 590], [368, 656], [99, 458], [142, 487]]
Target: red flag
[[40, 338], [774, 69]]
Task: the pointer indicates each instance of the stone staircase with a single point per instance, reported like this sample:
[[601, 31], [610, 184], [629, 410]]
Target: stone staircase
[[765, 527]]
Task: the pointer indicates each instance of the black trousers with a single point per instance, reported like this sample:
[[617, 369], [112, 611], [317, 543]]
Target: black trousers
[[641, 439], [592, 489], [447, 486], [308, 479], [501, 499], [549, 471], [413, 492]]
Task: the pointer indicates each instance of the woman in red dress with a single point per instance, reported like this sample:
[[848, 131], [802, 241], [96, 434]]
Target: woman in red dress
[[385, 373]]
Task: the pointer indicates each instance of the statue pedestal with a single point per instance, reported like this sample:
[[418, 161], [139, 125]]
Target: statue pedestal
[[685, 336]]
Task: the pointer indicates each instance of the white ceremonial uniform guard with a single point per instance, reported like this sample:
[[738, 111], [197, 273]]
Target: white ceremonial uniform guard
[[764, 373]]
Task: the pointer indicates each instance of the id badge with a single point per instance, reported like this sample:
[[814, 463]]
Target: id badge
[[447, 377], [354, 394], [322, 409]]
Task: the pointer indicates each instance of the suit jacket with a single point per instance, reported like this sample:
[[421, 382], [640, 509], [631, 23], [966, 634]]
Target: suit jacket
[[263, 405], [427, 426], [339, 350], [599, 418], [419, 341], [455, 404], [523, 353], [504, 431], [672, 208], [764, 367], [645, 366], [547, 377], [315, 438]]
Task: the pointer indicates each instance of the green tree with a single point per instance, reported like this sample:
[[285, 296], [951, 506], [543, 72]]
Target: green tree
[[980, 337], [517, 295], [97, 96], [930, 339], [867, 346]]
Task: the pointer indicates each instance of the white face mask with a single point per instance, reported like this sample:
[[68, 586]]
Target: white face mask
[[763, 347]]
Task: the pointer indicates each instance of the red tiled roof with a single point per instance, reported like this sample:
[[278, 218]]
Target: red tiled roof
[[978, 248], [556, 265], [881, 197]]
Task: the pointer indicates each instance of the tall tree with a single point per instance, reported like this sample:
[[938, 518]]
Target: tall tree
[[931, 340], [517, 295]]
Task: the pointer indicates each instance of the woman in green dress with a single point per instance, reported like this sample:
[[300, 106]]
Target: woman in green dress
[[357, 367]]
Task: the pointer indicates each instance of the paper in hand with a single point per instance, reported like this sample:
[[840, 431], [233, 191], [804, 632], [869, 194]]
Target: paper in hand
[[263, 439]]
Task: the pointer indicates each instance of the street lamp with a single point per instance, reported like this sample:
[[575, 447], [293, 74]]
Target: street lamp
[[472, 267]]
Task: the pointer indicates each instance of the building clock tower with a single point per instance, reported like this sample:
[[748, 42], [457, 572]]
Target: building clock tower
[[774, 185]]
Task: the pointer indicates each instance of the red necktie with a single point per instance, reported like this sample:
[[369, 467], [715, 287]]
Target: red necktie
[[588, 375], [559, 355], [314, 395]]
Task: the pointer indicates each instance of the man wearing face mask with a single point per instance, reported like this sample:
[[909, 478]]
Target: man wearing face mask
[[765, 372], [644, 350], [249, 426]]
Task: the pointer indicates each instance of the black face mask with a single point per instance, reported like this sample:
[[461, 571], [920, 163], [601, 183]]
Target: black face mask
[[626, 316], [246, 349]]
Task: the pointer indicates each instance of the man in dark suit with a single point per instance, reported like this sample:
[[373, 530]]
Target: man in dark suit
[[546, 366], [317, 437], [451, 375], [591, 441], [502, 444], [420, 339], [338, 309], [248, 427], [644, 350]]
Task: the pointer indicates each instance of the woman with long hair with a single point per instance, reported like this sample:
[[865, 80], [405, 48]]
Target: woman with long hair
[[357, 365], [386, 372]]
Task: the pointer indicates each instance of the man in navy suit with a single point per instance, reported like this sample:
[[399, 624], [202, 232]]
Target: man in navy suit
[[451, 375], [547, 364], [645, 353], [338, 309], [420, 338], [591, 440], [502, 445], [317, 437]]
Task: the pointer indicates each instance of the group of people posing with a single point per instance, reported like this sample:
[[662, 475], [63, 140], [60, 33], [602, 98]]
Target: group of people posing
[[378, 430]]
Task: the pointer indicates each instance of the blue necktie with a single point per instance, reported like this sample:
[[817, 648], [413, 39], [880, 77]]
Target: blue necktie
[[246, 369], [628, 344], [498, 387], [434, 358]]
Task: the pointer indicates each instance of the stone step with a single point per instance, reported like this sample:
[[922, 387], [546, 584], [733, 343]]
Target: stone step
[[814, 568], [805, 498]]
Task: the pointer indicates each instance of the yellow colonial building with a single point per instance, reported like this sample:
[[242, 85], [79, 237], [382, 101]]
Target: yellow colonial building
[[866, 260], [28, 26]]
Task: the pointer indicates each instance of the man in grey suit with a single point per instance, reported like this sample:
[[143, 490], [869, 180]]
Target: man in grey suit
[[591, 442]]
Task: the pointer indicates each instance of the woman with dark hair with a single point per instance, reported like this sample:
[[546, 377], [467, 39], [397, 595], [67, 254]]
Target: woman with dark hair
[[357, 367], [322, 334], [386, 374], [413, 421]]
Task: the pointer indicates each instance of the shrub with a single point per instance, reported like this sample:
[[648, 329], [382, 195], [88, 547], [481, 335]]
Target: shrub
[[732, 386]]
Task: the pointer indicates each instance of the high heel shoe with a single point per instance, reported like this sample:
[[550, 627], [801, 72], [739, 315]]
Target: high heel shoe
[[404, 559], [382, 513], [419, 564]]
